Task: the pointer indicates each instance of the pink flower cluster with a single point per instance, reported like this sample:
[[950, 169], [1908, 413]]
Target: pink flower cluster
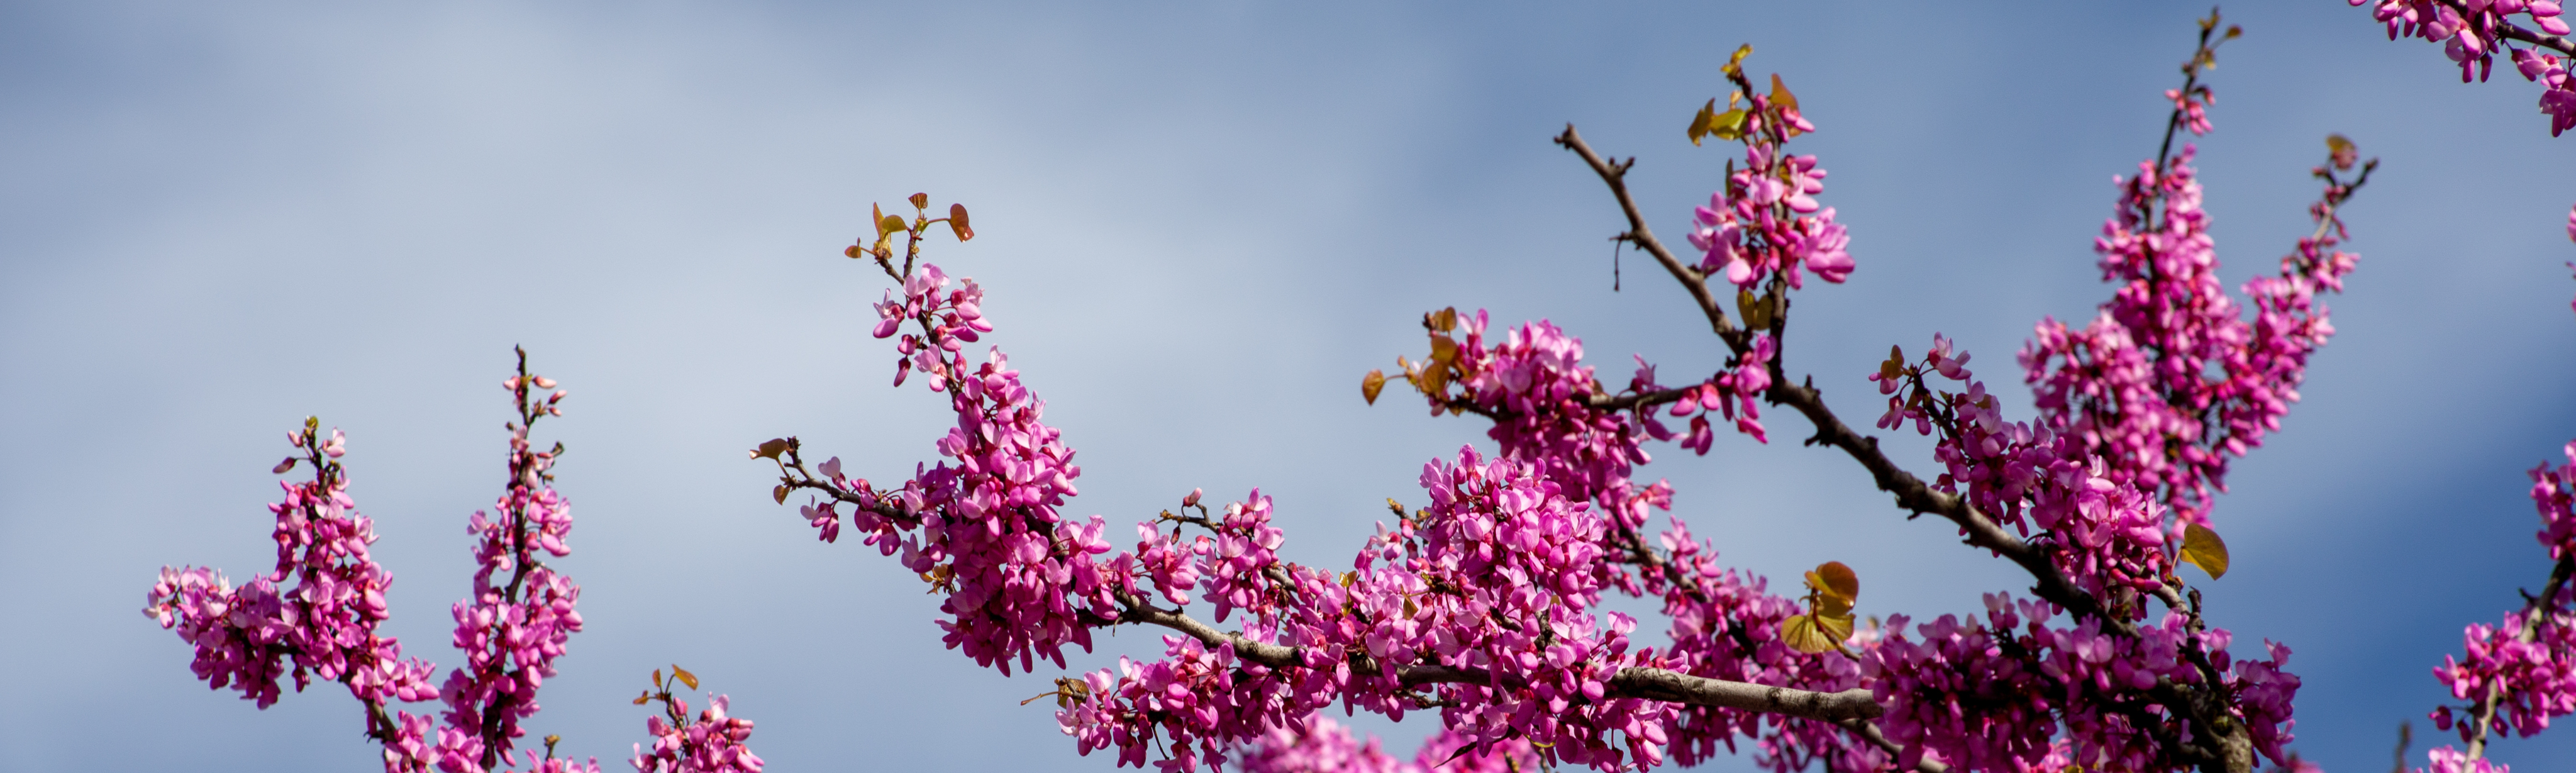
[[1245, 548], [2472, 32], [712, 744], [2530, 682], [1501, 573], [1726, 625], [326, 623], [1320, 745], [1497, 575], [1766, 222], [2105, 535], [1201, 701], [513, 628], [949, 321], [1539, 394], [2449, 759], [521, 612], [1730, 395], [1535, 384], [1022, 581], [2553, 493], [2169, 381], [1988, 697]]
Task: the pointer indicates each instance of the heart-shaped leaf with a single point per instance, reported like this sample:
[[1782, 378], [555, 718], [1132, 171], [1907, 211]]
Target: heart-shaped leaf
[[2202, 548]]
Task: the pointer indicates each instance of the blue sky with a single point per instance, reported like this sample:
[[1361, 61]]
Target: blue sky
[[1199, 224]]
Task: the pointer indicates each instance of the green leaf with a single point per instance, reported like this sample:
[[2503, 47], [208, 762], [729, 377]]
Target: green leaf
[[1728, 125], [1699, 123]]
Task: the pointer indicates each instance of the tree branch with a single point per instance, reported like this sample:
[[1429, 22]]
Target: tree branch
[[2221, 745], [1869, 732], [1615, 174], [1646, 683], [2533, 611]]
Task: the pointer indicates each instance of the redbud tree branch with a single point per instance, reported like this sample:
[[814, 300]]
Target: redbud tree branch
[[2533, 612], [2222, 746], [1646, 683], [1912, 494]]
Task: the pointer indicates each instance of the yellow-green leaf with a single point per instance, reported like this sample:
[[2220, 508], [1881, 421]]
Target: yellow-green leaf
[[1371, 384], [1445, 320], [1780, 94], [1812, 634], [1728, 125], [891, 224], [1443, 349], [2202, 548], [1735, 64], [877, 218], [1837, 626], [1756, 309], [1699, 123], [685, 677]]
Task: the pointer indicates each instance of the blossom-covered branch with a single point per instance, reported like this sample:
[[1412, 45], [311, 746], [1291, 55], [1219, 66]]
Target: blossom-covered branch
[[513, 628], [2519, 675], [2473, 32], [1482, 603]]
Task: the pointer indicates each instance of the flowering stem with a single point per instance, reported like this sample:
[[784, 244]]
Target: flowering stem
[[2532, 614]]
